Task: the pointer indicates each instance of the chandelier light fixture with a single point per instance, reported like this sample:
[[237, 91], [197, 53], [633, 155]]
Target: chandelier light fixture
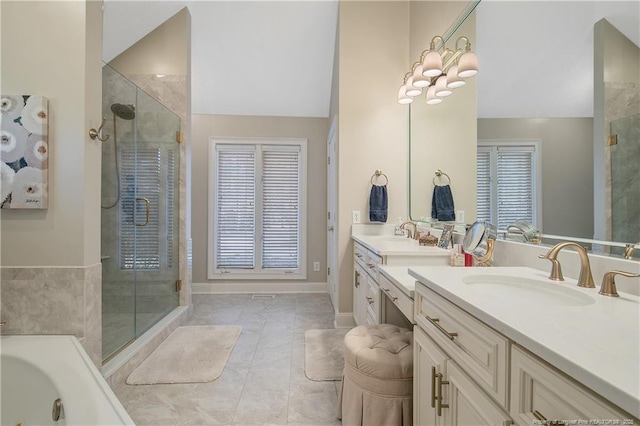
[[441, 70]]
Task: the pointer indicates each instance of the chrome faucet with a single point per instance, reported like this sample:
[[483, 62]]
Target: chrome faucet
[[415, 234], [585, 279]]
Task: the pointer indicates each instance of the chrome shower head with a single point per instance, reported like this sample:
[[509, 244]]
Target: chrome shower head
[[126, 112]]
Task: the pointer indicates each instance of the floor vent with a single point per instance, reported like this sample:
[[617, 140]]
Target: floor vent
[[263, 296]]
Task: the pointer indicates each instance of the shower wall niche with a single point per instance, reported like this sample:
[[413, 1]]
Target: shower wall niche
[[140, 205]]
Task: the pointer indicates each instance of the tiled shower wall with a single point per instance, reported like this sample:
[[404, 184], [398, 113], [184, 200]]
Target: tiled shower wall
[[54, 301], [621, 100]]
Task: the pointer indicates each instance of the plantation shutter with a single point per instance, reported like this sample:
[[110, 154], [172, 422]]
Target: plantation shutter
[[235, 206], [139, 239], [280, 207], [170, 218], [483, 184], [516, 171]]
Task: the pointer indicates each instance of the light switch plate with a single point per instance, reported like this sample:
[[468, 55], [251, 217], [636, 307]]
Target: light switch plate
[[316, 266], [356, 216]]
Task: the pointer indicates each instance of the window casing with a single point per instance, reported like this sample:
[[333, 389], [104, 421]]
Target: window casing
[[508, 182], [257, 209]]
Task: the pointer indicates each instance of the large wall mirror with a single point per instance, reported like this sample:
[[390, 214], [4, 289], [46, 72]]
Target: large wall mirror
[[559, 81]]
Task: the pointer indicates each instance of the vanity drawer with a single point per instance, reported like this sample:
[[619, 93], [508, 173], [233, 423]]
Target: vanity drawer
[[400, 299], [373, 302], [367, 259], [474, 346], [539, 391]]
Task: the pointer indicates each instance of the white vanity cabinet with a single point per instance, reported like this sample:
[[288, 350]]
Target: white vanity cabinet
[[471, 358], [378, 299], [366, 291], [489, 379], [443, 394], [541, 392]]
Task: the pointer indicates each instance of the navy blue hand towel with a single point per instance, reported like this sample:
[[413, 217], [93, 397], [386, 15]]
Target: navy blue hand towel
[[378, 204], [442, 204]]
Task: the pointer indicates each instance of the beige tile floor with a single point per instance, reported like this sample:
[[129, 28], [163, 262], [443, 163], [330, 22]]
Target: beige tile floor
[[263, 381]]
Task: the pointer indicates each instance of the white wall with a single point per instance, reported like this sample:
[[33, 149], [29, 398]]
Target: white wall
[[443, 136], [164, 50], [372, 126], [54, 49]]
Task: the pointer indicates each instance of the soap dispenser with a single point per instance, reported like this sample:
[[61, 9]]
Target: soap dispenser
[[398, 229]]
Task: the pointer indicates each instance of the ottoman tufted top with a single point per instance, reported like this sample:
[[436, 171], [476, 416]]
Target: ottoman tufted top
[[384, 351]]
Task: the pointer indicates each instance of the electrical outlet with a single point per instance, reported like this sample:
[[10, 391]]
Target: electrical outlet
[[460, 216], [356, 216], [316, 266]]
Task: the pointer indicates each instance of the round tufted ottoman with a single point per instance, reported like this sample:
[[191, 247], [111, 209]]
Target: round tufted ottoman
[[377, 383]]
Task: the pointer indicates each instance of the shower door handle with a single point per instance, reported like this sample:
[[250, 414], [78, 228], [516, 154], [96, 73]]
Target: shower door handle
[[147, 205]]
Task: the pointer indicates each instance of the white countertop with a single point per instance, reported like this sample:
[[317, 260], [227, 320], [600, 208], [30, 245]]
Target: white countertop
[[399, 275], [388, 245], [597, 344]]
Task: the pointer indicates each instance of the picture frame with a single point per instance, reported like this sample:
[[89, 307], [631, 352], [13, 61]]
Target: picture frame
[[446, 238], [24, 152]]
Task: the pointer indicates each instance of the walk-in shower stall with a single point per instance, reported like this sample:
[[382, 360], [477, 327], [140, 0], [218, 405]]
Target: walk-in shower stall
[[625, 181], [140, 173]]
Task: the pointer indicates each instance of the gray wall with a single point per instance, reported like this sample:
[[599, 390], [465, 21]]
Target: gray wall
[[567, 167], [314, 129]]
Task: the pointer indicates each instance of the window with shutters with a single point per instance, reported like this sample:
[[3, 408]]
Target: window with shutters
[[146, 219], [257, 214], [507, 182]]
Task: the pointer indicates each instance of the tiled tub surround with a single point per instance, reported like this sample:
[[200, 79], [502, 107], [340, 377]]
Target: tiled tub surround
[[54, 301]]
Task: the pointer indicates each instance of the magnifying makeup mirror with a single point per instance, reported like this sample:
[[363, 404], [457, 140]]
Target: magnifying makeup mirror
[[479, 242]]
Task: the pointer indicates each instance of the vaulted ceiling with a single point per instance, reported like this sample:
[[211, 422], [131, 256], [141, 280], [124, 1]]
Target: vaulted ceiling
[[275, 58], [248, 57]]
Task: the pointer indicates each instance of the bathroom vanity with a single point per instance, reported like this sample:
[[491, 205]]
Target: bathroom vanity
[[376, 298], [505, 345]]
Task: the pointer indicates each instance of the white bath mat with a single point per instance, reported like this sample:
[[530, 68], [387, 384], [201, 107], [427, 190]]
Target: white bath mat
[[191, 354], [324, 354]]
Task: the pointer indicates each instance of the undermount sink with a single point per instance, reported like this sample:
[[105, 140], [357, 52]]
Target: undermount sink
[[395, 239], [529, 290]]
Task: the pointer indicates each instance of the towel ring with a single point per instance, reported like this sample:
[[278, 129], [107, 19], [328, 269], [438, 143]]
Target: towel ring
[[439, 174], [379, 173]]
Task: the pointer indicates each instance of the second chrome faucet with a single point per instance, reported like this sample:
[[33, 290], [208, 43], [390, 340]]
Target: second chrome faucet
[[585, 279]]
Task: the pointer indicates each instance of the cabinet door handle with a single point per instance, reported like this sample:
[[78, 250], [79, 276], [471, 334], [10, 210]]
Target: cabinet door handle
[[433, 387], [371, 265], [358, 255], [542, 418], [440, 382], [386, 291], [434, 321], [370, 300]]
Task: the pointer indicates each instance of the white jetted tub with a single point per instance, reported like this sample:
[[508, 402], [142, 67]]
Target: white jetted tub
[[39, 372]]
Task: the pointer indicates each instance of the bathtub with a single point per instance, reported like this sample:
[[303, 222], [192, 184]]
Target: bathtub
[[35, 371]]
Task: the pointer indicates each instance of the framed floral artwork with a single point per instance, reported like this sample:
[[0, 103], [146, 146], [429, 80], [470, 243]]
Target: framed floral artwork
[[24, 152]]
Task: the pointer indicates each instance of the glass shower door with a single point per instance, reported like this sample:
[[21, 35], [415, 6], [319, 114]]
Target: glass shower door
[[154, 205], [140, 182]]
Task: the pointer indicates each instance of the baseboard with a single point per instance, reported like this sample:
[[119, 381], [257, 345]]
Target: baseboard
[[345, 320], [258, 287]]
